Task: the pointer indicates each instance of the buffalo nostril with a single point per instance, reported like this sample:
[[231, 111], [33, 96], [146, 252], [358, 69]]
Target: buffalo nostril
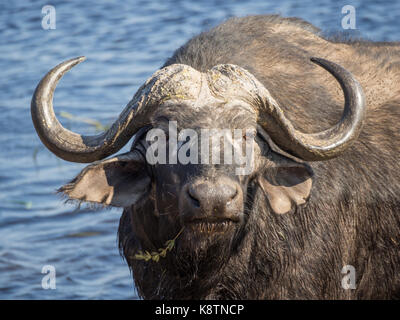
[[235, 193], [195, 201], [232, 196]]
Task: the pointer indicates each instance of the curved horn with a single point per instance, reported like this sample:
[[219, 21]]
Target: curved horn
[[325, 144], [75, 147]]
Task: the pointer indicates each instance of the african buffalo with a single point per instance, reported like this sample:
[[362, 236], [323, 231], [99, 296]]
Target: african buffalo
[[324, 191]]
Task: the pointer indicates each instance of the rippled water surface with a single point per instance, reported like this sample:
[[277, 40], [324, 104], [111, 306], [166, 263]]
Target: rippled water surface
[[124, 44]]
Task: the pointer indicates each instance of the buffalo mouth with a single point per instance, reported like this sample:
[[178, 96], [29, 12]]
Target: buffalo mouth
[[211, 225]]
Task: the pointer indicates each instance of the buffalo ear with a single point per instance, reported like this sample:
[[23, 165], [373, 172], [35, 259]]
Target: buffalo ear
[[287, 185], [119, 181]]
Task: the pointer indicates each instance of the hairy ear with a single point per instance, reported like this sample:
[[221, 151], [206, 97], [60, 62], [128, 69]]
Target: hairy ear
[[120, 181], [286, 185]]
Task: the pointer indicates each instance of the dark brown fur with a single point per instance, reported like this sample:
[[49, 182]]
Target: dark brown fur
[[353, 214]]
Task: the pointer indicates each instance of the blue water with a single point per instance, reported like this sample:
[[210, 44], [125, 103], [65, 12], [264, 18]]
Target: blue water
[[124, 44]]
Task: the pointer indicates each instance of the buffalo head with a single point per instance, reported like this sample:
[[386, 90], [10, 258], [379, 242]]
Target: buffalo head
[[209, 201]]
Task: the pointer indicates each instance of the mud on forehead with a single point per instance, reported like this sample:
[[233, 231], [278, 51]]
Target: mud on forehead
[[221, 85]]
